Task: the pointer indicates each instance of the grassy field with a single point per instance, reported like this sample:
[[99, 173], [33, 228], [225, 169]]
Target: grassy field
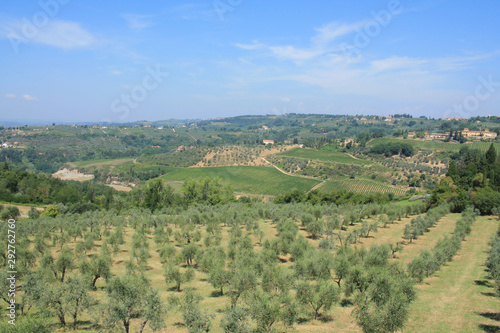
[[459, 297], [323, 156], [246, 179]]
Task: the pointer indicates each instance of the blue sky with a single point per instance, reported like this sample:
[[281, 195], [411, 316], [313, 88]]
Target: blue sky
[[69, 60]]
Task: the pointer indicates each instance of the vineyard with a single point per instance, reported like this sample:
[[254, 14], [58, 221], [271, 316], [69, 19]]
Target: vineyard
[[362, 186], [245, 179]]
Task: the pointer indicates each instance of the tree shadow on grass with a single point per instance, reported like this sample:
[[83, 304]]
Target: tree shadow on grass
[[325, 318], [216, 293], [490, 328], [491, 315], [484, 283]]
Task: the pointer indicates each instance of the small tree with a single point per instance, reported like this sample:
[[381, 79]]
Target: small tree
[[218, 276], [196, 320], [131, 297], [33, 213], [235, 321], [10, 212], [77, 298], [315, 229], [173, 273], [98, 267], [64, 263], [317, 296], [267, 309]]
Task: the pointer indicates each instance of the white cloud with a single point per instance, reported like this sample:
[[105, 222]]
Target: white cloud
[[334, 30], [29, 97], [462, 62], [320, 44], [57, 33], [137, 22], [254, 46], [296, 54], [396, 63], [10, 96]]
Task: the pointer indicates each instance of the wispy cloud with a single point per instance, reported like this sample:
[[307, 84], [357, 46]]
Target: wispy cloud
[[29, 97], [396, 63], [323, 64], [320, 44], [57, 33], [254, 46], [10, 96], [458, 63], [137, 22]]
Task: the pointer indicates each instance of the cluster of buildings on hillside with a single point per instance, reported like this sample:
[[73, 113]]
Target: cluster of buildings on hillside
[[486, 134]]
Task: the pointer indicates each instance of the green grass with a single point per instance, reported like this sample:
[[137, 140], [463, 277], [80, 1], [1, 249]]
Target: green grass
[[459, 298], [246, 179], [437, 145], [323, 156]]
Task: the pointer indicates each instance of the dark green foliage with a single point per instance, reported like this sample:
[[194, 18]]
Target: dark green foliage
[[9, 212], [340, 197], [19, 186], [493, 261], [393, 148]]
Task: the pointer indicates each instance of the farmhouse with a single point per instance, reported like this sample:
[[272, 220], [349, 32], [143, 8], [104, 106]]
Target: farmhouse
[[438, 136], [411, 134], [474, 134], [268, 142]]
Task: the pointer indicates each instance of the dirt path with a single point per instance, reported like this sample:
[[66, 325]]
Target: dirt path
[[315, 187], [286, 173], [294, 175], [354, 157], [459, 297]]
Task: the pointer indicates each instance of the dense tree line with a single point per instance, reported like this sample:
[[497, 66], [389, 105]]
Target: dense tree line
[[339, 197], [18, 186], [393, 148], [473, 178], [493, 261]]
